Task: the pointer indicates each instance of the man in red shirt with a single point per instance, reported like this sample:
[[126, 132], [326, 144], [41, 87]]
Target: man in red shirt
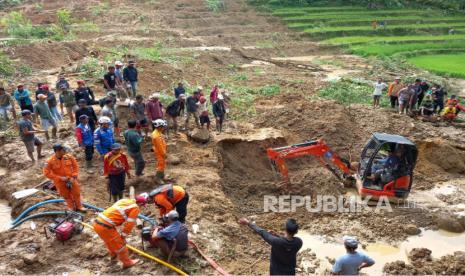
[[115, 168], [154, 108]]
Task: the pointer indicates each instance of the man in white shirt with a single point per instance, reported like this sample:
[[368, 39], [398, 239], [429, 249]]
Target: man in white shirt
[[379, 87]]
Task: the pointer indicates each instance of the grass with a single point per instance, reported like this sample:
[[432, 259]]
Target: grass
[[388, 50], [347, 92], [216, 5], [391, 21], [390, 28], [350, 13], [7, 68], [391, 39], [244, 96], [446, 65]]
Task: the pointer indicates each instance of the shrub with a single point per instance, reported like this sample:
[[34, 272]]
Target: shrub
[[64, 19], [216, 5], [7, 68]]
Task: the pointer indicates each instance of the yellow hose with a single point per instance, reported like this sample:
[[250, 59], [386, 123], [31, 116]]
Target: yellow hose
[[142, 253]]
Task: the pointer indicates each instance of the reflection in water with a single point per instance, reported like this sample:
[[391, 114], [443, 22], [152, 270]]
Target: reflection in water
[[5, 215], [440, 242]]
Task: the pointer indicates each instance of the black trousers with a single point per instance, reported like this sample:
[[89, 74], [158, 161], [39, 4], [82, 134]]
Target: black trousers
[[116, 182], [89, 152], [394, 101], [181, 208]]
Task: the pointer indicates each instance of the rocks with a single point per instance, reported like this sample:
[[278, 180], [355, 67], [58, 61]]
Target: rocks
[[30, 258], [449, 223], [173, 160], [200, 135], [420, 254], [412, 229]]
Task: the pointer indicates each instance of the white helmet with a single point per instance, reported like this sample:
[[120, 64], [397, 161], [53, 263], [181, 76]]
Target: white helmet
[[159, 123], [172, 215], [118, 63], [104, 120]]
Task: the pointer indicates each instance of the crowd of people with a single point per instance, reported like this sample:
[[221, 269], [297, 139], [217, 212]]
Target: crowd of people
[[418, 98]]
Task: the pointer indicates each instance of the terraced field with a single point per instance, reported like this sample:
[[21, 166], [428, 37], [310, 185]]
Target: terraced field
[[426, 38]]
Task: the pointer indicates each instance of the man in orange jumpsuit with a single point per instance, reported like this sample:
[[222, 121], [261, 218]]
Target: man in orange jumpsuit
[[169, 197], [124, 211], [159, 147], [63, 170]]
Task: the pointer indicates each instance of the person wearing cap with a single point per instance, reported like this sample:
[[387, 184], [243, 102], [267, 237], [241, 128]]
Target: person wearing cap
[[63, 169], [174, 110], [284, 248], [42, 111], [192, 104], [27, 134], [103, 136], [116, 168], [172, 233], [6, 104], [203, 111], [219, 111], [214, 93], [22, 96], [39, 90], [84, 92], [179, 90], [67, 101], [130, 76], [137, 109], [393, 90], [85, 138], [84, 109], [61, 82], [352, 262], [133, 141], [52, 103], [122, 214], [154, 108], [109, 111], [159, 148]]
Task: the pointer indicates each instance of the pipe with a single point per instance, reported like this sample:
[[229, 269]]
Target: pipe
[[43, 214], [213, 264], [142, 253]]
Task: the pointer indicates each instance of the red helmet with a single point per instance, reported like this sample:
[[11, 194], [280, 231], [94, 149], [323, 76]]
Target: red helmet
[[80, 82], [44, 87], [142, 199]]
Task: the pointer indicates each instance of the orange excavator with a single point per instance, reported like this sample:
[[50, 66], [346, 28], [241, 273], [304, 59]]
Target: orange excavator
[[385, 168]]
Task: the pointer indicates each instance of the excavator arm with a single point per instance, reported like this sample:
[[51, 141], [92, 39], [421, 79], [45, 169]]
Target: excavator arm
[[317, 148]]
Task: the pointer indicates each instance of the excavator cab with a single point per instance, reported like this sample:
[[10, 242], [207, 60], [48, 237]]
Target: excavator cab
[[386, 166]]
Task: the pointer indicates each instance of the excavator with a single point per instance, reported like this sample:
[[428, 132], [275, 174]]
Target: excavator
[[385, 168]]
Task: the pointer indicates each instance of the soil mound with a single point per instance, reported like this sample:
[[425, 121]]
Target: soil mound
[[438, 156]]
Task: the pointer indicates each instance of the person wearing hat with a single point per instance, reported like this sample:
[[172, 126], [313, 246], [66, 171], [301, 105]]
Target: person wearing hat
[[174, 110], [6, 104], [85, 138], [115, 168], [137, 109], [67, 101], [22, 96], [120, 89], [352, 262], [159, 147], [284, 248], [192, 104], [84, 109], [103, 136], [393, 90], [27, 134], [179, 90], [154, 108], [84, 92], [43, 112], [63, 169], [172, 233], [130, 76], [219, 111]]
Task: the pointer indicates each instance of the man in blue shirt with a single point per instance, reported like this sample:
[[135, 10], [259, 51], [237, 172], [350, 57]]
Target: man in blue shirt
[[103, 136], [174, 232], [179, 90], [130, 75], [22, 96], [352, 262]]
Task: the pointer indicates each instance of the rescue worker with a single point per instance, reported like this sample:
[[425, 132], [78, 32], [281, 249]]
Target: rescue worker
[[172, 233], [170, 197], [85, 138], [159, 148], [63, 170], [352, 262], [115, 168], [124, 211], [103, 136]]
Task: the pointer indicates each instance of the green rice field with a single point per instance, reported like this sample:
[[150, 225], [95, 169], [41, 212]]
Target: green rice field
[[423, 37]]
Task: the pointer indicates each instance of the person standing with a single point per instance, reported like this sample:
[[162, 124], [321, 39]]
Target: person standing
[[393, 90], [174, 110], [61, 82], [352, 262], [214, 94], [219, 112], [42, 111], [67, 101], [63, 170], [133, 141], [154, 108], [404, 95], [116, 168], [109, 79], [424, 87], [284, 249], [39, 90], [103, 136], [22, 96], [170, 197], [130, 76], [379, 87], [86, 110], [27, 134], [84, 92], [416, 91], [52, 103], [6, 105], [109, 111], [137, 109], [120, 89], [438, 98], [159, 148], [191, 108], [179, 90], [203, 111], [85, 138]]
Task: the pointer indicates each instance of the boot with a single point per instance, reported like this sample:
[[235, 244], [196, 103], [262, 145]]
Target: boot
[[124, 258]]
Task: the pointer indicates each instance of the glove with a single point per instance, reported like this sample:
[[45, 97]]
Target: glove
[[69, 184]]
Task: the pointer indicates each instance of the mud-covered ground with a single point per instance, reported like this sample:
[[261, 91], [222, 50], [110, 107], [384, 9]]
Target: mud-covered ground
[[228, 177]]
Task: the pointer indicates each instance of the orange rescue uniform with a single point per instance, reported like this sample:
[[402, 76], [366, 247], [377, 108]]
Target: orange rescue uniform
[[66, 166], [124, 211], [165, 203], [159, 148]]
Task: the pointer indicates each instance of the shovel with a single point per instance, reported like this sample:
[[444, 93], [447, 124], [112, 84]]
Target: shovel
[[28, 192]]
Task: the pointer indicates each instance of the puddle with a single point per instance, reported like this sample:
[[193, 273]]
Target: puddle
[[440, 242], [5, 215]]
